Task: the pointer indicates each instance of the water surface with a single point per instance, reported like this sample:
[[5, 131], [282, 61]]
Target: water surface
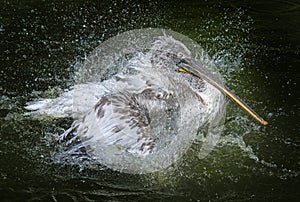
[[256, 49]]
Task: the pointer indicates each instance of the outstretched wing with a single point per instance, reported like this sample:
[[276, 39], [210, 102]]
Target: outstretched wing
[[76, 102], [118, 121]]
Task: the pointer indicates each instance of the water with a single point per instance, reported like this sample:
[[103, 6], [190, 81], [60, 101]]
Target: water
[[256, 48], [128, 56]]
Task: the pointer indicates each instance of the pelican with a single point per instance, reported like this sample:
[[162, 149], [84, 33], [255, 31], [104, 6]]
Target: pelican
[[145, 115]]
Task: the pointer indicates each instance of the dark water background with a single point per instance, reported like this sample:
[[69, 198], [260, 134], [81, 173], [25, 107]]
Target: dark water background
[[256, 48]]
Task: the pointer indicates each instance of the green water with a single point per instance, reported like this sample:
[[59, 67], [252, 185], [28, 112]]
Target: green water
[[256, 48]]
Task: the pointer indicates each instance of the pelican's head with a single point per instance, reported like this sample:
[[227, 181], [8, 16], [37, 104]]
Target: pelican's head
[[166, 52]]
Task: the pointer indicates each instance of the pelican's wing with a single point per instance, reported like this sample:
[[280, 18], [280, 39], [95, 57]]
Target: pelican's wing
[[75, 102], [118, 121]]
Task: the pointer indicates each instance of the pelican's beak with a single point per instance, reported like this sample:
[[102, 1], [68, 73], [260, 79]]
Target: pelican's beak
[[190, 66]]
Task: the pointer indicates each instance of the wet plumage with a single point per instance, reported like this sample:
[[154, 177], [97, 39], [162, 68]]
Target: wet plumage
[[144, 117]]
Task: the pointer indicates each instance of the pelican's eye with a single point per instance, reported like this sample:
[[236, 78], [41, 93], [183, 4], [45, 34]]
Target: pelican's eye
[[181, 66], [181, 63]]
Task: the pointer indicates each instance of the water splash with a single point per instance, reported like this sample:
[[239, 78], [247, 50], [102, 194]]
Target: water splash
[[116, 55]]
